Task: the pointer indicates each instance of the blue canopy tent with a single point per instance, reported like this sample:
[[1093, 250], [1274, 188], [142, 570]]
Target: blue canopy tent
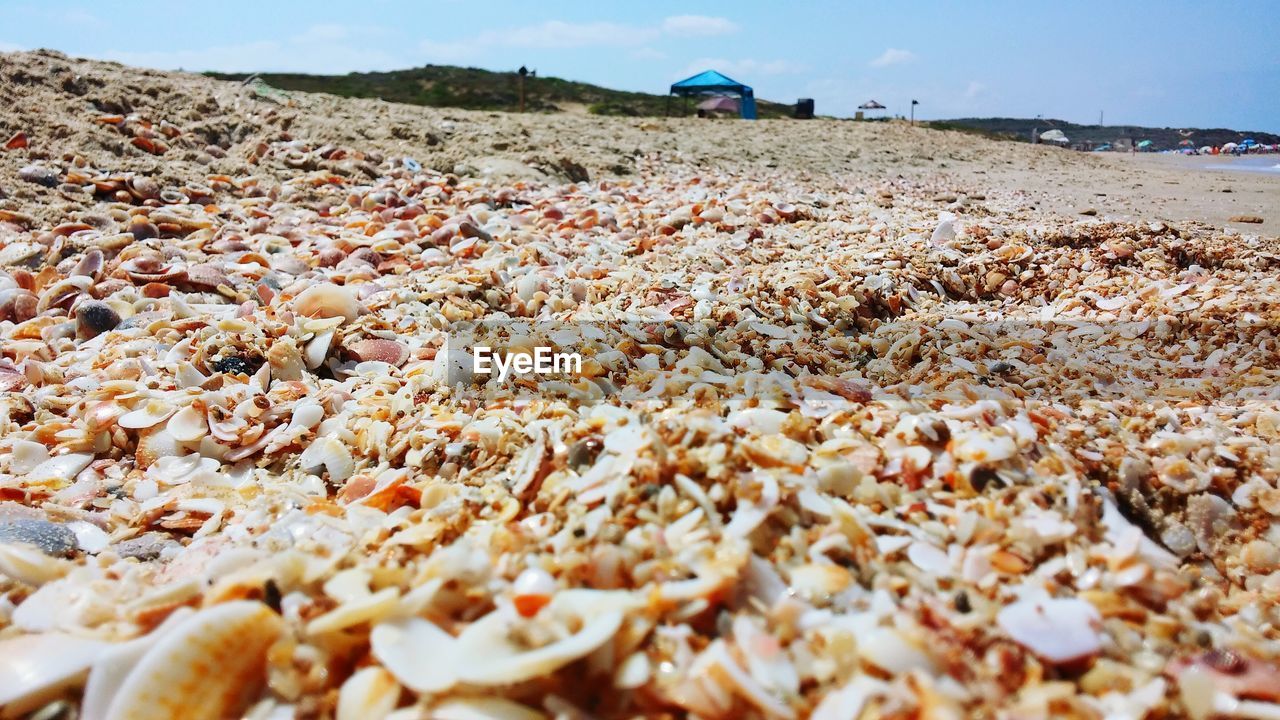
[[709, 82]]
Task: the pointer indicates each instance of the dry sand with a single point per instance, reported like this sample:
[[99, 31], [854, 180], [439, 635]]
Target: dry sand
[[59, 102]]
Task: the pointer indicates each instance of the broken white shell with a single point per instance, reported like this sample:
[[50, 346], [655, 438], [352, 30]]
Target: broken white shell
[[318, 349], [888, 649], [115, 663], [151, 413], [981, 446], [26, 456], [429, 660], [945, 232], [35, 669], [210, 666], [60, 469], [327, 300], [370, 694], [419, 654], [331, 454], [1058, 630], [370, 608], [188, 425], [486, 656], [929, 558], [28, 565], [482, 708]]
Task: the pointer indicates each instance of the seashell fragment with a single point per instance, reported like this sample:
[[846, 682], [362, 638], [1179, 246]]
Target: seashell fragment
[[172, 680], [90, 265], [35, 669], [378, 350], [417, 652], [206, 277], [188, 425], [888, 649], [929, 558], [371, 607], [486, 655], [151, 268], [945, 232], [483, 708], [429, 660], [317, 350], [1060, 631], [25, 456], [59, 469], [30, 565], [150, 414], [532, 590], [332, 455], [327, 300], [370, 694]]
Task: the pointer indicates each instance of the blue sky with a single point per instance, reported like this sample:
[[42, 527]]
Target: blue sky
[[1150, 62]]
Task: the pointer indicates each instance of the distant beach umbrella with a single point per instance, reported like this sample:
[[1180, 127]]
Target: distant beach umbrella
[[719, 102], [1187, 143], [1054, 135], [1228, 147], [871, 105], [1145, 143], [1248, 141], [1206, 150]]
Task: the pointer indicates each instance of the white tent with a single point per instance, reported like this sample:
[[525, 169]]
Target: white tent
[[1055, 135]]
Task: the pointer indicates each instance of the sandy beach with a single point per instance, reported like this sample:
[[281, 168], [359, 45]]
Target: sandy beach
[[872, 420], [572, 146]]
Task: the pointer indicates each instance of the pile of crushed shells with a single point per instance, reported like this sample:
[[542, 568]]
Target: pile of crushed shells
[[869, 450]]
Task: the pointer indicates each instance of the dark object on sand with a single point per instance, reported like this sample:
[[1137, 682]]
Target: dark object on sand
[[804, 109]]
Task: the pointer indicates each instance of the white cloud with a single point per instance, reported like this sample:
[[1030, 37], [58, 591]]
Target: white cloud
[[318, 49], [698, 25], [893, 56], [975, 90], [559, 34], [335, 48], [745, 68]]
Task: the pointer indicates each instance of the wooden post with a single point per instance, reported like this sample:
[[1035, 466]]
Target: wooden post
[[523, 72], [914, 103]]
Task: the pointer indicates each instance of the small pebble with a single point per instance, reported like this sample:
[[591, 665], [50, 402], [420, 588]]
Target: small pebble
[[144, 547], [39, 175], [51, 538], [94, 318]]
